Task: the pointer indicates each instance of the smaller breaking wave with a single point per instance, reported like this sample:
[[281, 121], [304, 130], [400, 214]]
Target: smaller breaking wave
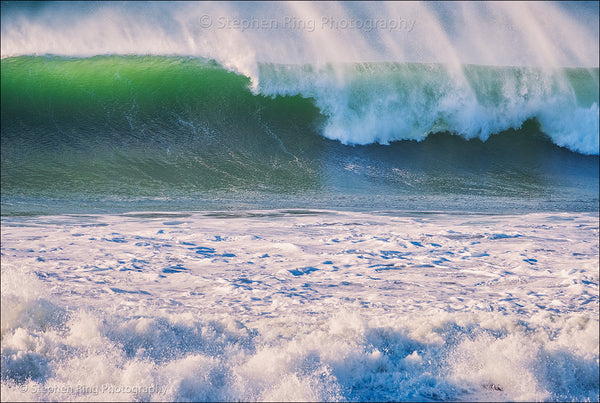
[[386, 102]]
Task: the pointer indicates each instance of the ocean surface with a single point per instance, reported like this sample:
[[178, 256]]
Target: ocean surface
[[300, 201]]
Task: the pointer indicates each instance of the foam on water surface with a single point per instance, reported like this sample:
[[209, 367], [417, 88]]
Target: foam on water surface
[[300, 305]]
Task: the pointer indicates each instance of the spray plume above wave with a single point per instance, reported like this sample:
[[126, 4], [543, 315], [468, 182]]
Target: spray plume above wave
[[241, 35], [318, 51]]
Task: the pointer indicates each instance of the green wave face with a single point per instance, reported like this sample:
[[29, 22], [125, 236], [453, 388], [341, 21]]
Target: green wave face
[[120, 129], [140, 123]]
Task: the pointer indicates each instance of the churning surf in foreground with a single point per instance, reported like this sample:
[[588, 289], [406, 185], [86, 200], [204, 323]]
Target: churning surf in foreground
[[299, 201], [300, 305], [189, 106]]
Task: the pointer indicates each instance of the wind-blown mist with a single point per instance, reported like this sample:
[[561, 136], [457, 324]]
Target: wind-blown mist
[[241, 35]]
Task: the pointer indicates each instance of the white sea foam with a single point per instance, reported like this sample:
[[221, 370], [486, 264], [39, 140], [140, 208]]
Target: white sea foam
[[383, 103], [284, 306]]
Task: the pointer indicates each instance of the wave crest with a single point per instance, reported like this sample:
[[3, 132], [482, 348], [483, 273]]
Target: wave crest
[[381, 103]]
